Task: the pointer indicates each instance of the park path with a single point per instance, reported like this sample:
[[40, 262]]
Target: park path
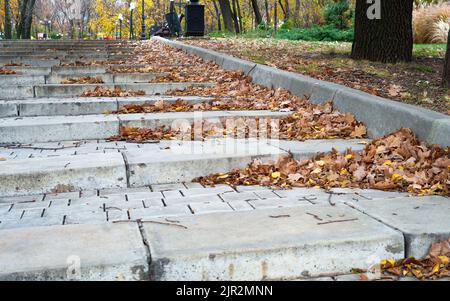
[[75, 205]]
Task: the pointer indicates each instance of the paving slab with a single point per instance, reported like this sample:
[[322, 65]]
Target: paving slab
[[87, 252], [57, 128], [66, 106], [108, 77], [306, 149], [20, 80], [69, 173], [185, 160], [58, 90], [422, 220], [257, 246], [8, 109]]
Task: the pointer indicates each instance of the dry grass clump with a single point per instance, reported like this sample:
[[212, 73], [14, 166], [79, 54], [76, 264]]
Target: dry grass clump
[[431, 23]]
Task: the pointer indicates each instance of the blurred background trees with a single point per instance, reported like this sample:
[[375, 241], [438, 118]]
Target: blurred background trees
[[323, 20]]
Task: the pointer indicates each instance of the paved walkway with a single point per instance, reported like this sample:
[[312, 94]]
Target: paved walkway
[[75, 206]]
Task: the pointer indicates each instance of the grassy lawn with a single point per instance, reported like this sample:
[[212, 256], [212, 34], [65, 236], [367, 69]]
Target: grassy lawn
[[417, 82]]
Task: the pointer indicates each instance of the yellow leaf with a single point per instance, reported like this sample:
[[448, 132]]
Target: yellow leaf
[[388, 163], [317, 170], [349, 156], [435, 268], [276, 175], [444, 259], [397, 177], [2, 159], [343, 171], [320, 163], [223, 176]]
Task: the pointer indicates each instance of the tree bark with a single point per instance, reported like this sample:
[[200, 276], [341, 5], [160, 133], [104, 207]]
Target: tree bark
[[28, 20], [218, 14], [275, 16], [266, 4], [8, 26], [297, 13], [235, 17], [226, 14], [446, 73], [388, 39], [258, 17]]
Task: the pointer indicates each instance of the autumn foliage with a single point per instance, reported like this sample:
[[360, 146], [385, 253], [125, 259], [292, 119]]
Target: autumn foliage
[[398, 161]]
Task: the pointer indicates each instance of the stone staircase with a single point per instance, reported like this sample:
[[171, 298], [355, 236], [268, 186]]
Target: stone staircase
[[124, 210]]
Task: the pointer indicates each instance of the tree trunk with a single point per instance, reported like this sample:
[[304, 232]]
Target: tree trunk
[[275, 16], [387, 39], [239, 14], [235, 17], [258, 17], [8, 27], [22, 11], [446, 73], [287, 10], [266, 4], [216, 8], [28, 20], [297, 13], [226, 14]]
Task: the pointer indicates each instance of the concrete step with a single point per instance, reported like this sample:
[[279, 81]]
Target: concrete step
[[177, 162], [30, 70], [42, 168], [58, 90], [234, 241], [32, 62], [76, 90], [303, 149], [80, 105], [78, 252], [68, 173], [259, 246], [108, 78], [20, 80], [76, 70], [60, 128]]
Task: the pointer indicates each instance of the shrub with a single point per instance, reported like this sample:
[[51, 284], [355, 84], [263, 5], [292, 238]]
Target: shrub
[[317, 33], [338, 14], [428, 23]]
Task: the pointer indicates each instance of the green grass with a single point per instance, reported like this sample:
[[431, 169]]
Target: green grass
[[430, 50]]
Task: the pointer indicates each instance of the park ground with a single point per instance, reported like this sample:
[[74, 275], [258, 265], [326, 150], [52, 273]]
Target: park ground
[[416, 83]]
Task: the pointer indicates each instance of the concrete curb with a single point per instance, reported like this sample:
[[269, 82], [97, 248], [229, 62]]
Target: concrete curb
[[381, 116]]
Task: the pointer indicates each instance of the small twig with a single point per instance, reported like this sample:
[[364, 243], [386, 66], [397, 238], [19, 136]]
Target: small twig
[[315, 216], [363, 196], [338, 221], [162, 223], [279, 216], [329, 200]]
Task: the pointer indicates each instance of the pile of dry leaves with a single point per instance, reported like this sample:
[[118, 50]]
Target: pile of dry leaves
[[83, 80], [16, 65], [130, 70], [312, 122], [111, 92], [434, 266], [92, 63], [7, 72], [398, 161], [140, 135]]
